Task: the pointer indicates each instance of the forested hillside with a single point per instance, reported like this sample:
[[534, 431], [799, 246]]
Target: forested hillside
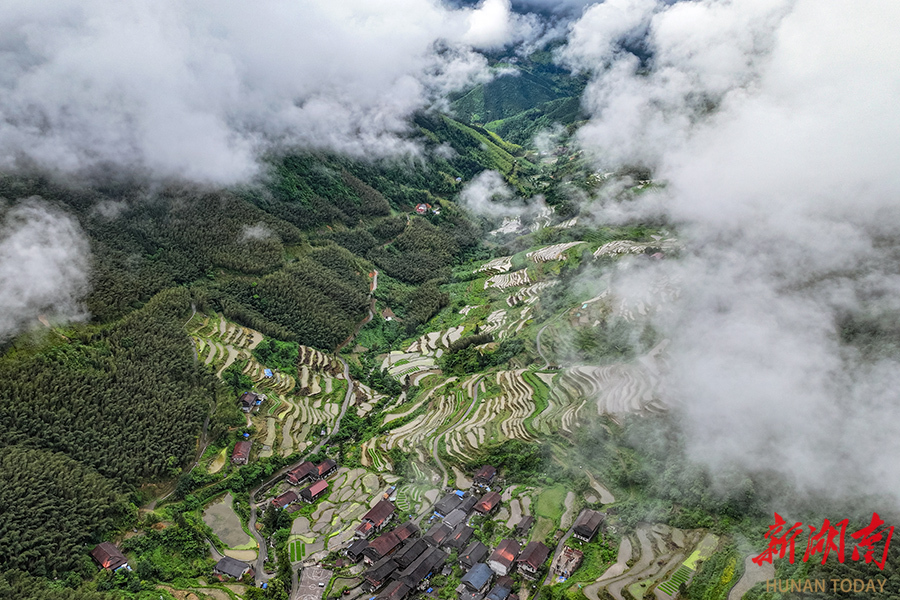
[[92, 411], [52, 504], [131, 385]]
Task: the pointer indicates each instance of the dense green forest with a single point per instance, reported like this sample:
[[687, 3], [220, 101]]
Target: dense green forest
[[53, 507], [17, 585], [131, 385]]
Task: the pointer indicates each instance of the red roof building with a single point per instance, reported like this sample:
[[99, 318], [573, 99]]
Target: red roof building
[[485, 475], [284, 499], [301, 473], [241, 453], [325, 468], [375, 520], [314, 492]]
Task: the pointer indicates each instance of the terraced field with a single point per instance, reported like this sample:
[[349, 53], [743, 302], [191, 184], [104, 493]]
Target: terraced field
[[496, 417], [507, 280], [434, 343], [220, 342], [294, 408], [622, 247], [668, 556], [331, 525], [530, 294], [495, 266], [551, 253], [505, 323]]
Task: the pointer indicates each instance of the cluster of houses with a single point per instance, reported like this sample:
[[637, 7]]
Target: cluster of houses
[[305, 472], [402, 560]]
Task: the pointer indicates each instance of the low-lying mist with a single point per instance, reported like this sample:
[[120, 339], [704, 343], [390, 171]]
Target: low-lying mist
[[775, 131]]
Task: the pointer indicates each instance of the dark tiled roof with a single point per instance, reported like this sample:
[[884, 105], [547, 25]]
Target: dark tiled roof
[[485, 474], [249, 398], [505, 553], [430, 561], [477, 577], [407, 530], [588, 522], [379, 513], [467, 504], [231, 567], [488, 502], [437, 534], [396, 590], [534, 555], [382, 546], [410, 552], [108, 556], [380, 571], [475, 552], [501, 589], [455, 517], [355, 549], [460, 536], [446, 504], [524, 525]]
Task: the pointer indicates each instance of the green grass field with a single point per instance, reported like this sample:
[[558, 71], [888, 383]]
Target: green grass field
[[549, 503]]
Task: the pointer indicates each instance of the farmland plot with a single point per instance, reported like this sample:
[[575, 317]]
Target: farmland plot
[[432, 343], [499, 417], [424, 426], [295, 407], [550, 253], [333, 521], [503, 323], [667, 557], [496, 266], [403, 364], [507, 280], [220, 342], [530, 293], [542, 219], [621, 247]]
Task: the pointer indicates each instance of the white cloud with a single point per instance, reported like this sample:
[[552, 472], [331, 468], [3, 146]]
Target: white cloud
[[493, 24], [200, 89], [774, 126], [43, 266]]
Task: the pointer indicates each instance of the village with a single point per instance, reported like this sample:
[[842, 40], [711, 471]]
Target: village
[[365, 530], [383, 554]]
